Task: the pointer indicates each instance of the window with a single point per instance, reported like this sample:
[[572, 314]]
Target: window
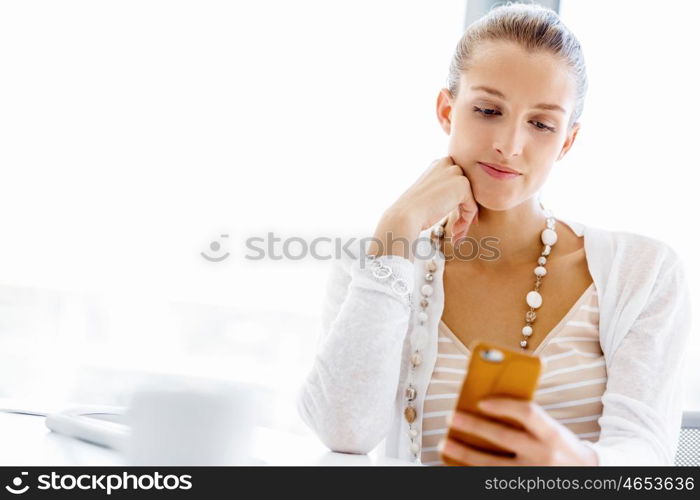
[[633, 165], [137, 135]]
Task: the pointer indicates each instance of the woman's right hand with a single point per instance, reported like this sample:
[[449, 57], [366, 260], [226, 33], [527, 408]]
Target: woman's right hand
[[437, 192], [440, 189]]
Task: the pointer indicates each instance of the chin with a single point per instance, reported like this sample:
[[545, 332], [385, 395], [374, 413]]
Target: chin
[[497, 207]]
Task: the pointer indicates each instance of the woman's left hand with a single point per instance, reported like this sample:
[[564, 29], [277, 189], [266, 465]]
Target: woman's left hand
[[543, 442]]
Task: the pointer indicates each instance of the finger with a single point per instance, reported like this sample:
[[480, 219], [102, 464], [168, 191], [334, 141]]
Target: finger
[[468, 203], [529, 414], [465, 454], [499, 434], [446, 161], [460, 228], [468, 212]]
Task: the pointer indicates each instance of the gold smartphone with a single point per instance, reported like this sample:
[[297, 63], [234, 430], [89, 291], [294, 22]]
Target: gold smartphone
[[494, 371]]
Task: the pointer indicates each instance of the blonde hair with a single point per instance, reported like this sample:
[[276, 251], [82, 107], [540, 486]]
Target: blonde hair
[[536, 29]]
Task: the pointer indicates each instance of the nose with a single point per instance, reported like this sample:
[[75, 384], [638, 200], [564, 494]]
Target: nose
[[508, 141]]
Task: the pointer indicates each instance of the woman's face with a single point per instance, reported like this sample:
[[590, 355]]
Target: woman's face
[[496, 119]]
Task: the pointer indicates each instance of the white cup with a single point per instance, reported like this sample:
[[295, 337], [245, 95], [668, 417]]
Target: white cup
[[194, 424]]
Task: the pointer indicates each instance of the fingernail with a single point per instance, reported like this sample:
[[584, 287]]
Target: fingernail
[[485, 405]]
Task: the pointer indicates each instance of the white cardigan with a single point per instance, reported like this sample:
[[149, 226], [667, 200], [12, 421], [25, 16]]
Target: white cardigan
[[353, 398]]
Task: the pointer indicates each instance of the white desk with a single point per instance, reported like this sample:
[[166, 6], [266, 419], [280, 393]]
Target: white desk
[[27, 441]]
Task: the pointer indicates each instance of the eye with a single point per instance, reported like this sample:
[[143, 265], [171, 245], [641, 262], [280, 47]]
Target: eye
[[487, 112], [544, 127]]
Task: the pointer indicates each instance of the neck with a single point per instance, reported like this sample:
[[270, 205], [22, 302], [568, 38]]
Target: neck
[[516, 231]]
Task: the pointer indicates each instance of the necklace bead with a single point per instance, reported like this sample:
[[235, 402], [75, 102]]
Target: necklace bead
[[416, 359], [410, 393], [534, 299], [410, 414], [549, 237]]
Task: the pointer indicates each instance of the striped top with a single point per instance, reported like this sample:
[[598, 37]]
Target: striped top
[[572, 382]]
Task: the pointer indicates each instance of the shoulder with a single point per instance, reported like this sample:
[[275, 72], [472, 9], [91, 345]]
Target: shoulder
[[625, 248], [634, 248], [623, 260], [644, 272]]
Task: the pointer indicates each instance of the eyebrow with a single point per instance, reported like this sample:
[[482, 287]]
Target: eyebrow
[[553, 107]]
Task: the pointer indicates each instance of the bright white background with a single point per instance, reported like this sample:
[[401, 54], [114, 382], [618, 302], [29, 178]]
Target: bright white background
[[136, 133]]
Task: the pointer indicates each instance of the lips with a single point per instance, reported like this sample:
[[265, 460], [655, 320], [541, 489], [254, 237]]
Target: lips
[[498, 174], [500, 168]]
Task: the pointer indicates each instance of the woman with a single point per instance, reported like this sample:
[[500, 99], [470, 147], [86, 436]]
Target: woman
[[607, 311]]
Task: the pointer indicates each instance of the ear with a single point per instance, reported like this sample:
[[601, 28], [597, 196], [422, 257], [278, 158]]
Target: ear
[[569, 140], [444, 110]]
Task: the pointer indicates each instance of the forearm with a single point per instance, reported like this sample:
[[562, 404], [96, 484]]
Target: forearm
[[348, 398]]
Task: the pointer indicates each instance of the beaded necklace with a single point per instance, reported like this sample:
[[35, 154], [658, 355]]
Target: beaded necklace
[[419, 336]]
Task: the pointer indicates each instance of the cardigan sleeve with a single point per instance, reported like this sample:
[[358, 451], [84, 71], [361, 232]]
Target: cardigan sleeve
[[348, 397], [643, 400]]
